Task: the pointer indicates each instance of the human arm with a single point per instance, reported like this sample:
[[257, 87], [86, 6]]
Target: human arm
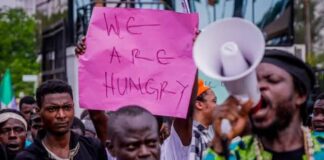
[[99, 118], [183, 127], [238, 117], [100, 122]]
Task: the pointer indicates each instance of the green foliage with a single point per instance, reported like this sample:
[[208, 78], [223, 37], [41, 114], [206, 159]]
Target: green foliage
[[320, 59], [17, 48], [314, 60], [311, 59]]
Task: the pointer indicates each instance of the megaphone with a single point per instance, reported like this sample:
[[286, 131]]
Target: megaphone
[[229, 50]]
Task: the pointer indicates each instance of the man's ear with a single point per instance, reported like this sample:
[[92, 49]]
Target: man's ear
[[110, 148], [300, 99], [199, 105]]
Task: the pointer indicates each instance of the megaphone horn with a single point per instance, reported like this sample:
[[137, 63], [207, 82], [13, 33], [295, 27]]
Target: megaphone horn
[[229, 50]]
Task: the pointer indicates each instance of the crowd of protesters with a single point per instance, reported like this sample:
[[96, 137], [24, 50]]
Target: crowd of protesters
[[46, 128]]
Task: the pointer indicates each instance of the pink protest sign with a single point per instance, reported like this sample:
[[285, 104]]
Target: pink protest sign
[[137, 56]]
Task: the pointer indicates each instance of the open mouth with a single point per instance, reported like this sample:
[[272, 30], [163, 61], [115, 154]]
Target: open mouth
[[263, 109], [13, 146], [262, 104]]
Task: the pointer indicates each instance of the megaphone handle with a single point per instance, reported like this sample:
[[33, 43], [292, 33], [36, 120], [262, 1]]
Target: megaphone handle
[[225, 126], [224, 142]]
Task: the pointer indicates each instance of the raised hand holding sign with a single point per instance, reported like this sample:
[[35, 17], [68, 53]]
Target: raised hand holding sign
[[137, 56]]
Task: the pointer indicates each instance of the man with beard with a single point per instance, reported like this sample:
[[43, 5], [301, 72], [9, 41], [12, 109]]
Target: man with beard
[[56, 140], [13, 131], [318, 114], [278, 132]]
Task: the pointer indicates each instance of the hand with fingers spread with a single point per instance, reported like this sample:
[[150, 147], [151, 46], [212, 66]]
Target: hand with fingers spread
[[237, 114], [81, 47]]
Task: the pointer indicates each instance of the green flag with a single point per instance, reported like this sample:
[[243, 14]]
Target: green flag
[[7, 96]]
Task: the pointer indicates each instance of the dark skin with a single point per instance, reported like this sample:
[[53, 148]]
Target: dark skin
[[183, 127], [237, 117], [26, 110], [57, 113], [13, 135], [36, 124], [318, 115], [283, 101], [164, 131], [135, 138], [277, 88]]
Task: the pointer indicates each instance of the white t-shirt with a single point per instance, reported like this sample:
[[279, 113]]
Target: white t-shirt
[[171, 149]]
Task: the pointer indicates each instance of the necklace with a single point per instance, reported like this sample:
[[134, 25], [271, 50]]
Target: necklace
[[52, 155], [308, 145]]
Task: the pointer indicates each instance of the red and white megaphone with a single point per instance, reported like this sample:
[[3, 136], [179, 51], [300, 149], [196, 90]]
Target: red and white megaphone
[[229, 50]]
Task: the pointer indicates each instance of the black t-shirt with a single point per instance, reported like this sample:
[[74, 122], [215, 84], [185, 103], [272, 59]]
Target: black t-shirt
[[291, 155], [3, 153], [89, 149]]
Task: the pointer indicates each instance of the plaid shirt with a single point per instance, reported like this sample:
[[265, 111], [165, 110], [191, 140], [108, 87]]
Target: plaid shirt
[[201, 137]]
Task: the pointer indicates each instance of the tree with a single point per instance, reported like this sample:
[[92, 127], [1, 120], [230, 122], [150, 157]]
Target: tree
[[17, 48], [317, 25]]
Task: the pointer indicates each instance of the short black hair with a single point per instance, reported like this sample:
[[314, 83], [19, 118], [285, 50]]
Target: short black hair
[[51, 87], [26, 100], [130, 110], [77, 123], [202, 96]]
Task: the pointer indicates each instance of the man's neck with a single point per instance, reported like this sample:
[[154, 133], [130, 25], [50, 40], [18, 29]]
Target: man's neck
[[201, 119], [57, 141], [288, 139]]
